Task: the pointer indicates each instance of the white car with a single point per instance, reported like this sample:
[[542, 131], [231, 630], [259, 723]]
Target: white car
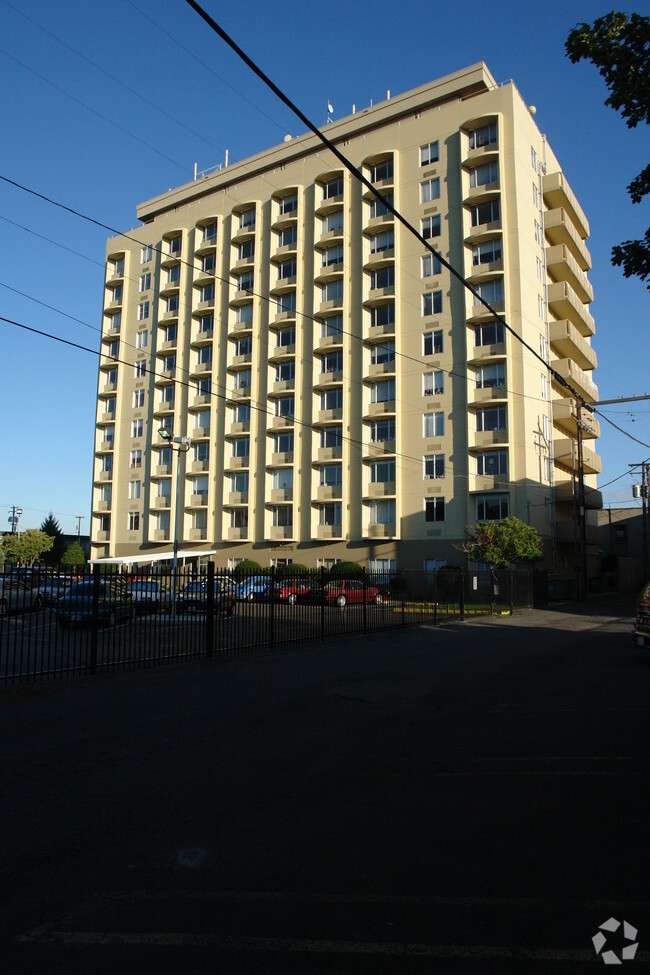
[[16, 596]]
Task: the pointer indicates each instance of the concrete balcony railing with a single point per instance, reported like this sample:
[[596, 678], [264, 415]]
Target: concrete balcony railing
[[103, 506], [566, 453], [237, 534], [562, 266], [199, 500], [565, 418], [563, 302], [238, 497], [379, 448], [328, 492], [328, 531], [281, 494], [559, 229], [160, 502], [478, 353], [567, 342], [161, 535], [380, 531], [488, 394], [278, 532], [557, 193], [577, 379], [198, 534], [328, 453], [381, 489]]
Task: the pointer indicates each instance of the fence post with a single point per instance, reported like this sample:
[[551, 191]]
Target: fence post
[[511, 593], [272, 610], [462, 596], [209, 616], [322, 602], [403, 587], [435, 597], [94, 619], [363, 580]]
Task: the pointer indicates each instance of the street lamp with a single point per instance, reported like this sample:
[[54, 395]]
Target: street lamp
[[184, 444]]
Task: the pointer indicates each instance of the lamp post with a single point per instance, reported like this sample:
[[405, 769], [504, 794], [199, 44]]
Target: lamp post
[[184, 444]]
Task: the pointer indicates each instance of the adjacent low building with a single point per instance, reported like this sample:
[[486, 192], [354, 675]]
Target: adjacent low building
[[345, 396]]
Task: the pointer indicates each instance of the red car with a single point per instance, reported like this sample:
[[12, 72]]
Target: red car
[[292, 591], [345, 591]]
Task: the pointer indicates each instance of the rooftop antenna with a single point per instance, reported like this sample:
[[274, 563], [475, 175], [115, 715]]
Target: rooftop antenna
[[329, 113]]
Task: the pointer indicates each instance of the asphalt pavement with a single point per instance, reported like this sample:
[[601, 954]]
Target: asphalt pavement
[[466, 798]]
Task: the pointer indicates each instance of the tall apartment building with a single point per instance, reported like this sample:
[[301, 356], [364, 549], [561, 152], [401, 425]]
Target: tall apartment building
[[345, 395]]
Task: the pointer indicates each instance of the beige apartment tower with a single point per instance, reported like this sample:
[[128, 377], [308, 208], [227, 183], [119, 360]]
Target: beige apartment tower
[[341, 394]]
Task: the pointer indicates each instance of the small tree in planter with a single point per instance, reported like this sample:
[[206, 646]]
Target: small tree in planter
[[499, 544], [246, 568]]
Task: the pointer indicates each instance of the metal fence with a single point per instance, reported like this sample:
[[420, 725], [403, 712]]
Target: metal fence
[[57, 624]]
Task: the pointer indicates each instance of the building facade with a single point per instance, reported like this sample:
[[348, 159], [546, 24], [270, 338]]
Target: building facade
[[345, 396]]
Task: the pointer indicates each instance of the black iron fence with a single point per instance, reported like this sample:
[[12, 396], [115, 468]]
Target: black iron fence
[[56, 623]]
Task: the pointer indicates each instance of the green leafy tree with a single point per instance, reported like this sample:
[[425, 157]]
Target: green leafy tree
[[246, 567], [346, 570], [52, 528], [619, 46], [73, 555], [499, 544], [27, 549]]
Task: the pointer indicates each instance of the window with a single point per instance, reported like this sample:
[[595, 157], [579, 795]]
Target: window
[[332, 362], [331, 475], [486, 212], [283, 479], [106, 492], [201, 451], [382, 566], [202, 420], [382, 472], [243, 346], [167, 423], [241, 413], [285, 372], [143, 311], [114, 350], [541, 307], [381, 354], [107, 463], [491, 291], [169, 363], [146, 253], [544, 387], [331, 326], [489, 377], [288, 205], [242, 379], [382, 512], [430, 190], [434, 509], [208, 263], [246, 251], [382, 431], [330, 257], [326, 563], [165, 457], [171, 305], [114, 321], [133, 523], [533, 158], [141, 339], [432, 342], [383, 278], [287, 269], [536, 196], [485, 135], [378, 208], [429, 153], [239, 518], [547, 469], [140, 368], [331, 399], [432, 303], [433, 424], [173, 274], [330, 437], [283, 443], [430, 226], [134, 490], [205, 324], [332, 291], [238, 483], [109, 404], [433, 383], [434, 466], [540, 269], [287, 303], [111, 377], [287, 237], [332, 223], [382, 314], [538, 232], [430, 265], [490, 333], [383, 392], [485, 173], [492, 507], [116, 293], [492, 462], [545, 427], [381, 170], [285, 337], [333, 187], [244, 282], [330, 514], [491, 418], [209, 232], [167, 394], [136, 428], [203, 354], [247, 219], [284, 406], [382, 242], [135, 458], [282, 516], [206, 293], [240, 447], [244, 313], [174, 245], [145, 282], [486, 253]]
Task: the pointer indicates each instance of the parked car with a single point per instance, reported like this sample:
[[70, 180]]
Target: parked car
[[17, 596], [255, 588], [641, 631], [193, 597], [147, 594], [115, 602], [293, 591], [343, 591], [51, 589]]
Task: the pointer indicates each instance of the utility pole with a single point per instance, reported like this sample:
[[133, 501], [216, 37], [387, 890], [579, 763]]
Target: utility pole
[[582, 519], [14, 519], [643, 490], [79, 518]]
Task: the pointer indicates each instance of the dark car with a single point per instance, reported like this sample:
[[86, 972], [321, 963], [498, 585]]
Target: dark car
[[114, 603], [147, 594], [254, 588], [641, 631], [16, 596], [193, 597], [344, 591], [51, 589]]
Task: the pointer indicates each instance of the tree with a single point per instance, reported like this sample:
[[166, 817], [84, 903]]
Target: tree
[[499, 544], [27, 549], [52, 528], [73, 555], [246, 568], [619, 46]]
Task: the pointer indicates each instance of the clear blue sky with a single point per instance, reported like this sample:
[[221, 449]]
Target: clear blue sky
[[72, 133]]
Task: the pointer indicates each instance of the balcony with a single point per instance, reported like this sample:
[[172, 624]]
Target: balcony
[[162, 470], [200, 433], [325, 532], [199, 500], [161, 502], [565, 450], [567, 342], [327, 378], [200, 399], [379, 448], [380, 489], [479, 194], [329, 416], [103, 476], [483, 231], [380, 369], [377, 296], [238, 497], [477, 314], [102, 536], [577, 379], [481, 272], [376, 224], [376, 332], [565, 418], [280, 353], [240, 426], [105, 445], [203, 337], [237, 463], [563, 302], [161, 535], [281, 494], [328, 492], [198, 534], [488, 438], [558, 229], [237, 534], [280, 423], [239, 394], [482, 482], [327, 342], [165, 377], [284, 457], [201, 368], [328, 453], [282, 386], [199, 466], [558, 194], [110, 331], [278, 532], [102, 505], [564, 492], [380, 531], [379, 258], [108, 417], [488, 394], [374, 410], [562, 266]]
